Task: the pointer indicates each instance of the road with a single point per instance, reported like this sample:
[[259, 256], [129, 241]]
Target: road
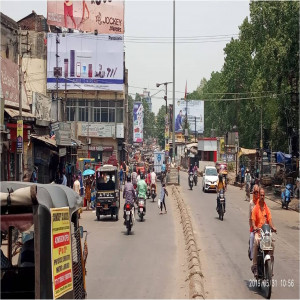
[[149, 263], [224, 244]]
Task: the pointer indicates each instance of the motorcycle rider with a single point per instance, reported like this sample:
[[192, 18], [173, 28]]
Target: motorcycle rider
[[251, 206], [153, 179], [221, 186], [142, 188], [260, 215], [128, 194], [134, 177]]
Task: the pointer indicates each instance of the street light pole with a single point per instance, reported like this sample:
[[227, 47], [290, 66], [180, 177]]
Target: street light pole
[[173, 133]]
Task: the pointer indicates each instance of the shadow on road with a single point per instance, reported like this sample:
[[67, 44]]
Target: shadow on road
[[252, 285], [106, 219]]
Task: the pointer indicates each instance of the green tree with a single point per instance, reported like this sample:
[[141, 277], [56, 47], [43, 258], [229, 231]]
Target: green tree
[[160, 126]]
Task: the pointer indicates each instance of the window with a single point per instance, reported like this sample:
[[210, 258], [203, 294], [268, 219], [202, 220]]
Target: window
[[104, 114], [112, 115], [71, 109]]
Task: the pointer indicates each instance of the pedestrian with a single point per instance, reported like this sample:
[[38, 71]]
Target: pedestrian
[[76, 185], [88, 192], [121, 174], [163, 194], [242, 176], [248, 184], [64, 178], [33, 177]]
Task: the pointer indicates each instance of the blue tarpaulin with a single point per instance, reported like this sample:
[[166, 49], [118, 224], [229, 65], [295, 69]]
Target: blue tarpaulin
[[283, 158]]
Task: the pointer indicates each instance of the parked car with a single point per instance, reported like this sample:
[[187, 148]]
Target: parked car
[[210, 177]]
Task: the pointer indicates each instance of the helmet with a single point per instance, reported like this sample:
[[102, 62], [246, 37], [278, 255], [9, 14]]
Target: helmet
[[128, 178], [142, 175]]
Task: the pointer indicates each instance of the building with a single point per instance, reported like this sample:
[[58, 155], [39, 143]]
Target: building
[[146, 96]]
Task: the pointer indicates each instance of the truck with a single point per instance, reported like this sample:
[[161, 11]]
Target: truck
[[159, 158]]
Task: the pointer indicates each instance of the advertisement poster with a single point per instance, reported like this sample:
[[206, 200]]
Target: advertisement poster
[[138, 122], [20, 136], [87, 61], [61, 252], [104, 16], [195, 109], [41, 106]]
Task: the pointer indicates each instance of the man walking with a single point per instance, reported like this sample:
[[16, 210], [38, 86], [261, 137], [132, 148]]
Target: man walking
[[163, 194]]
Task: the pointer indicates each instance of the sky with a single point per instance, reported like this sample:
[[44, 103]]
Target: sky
[[202, 29]]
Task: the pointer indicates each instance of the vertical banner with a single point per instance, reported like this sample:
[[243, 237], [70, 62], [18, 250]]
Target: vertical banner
[[62, 278], [20, 136], [138, 122]]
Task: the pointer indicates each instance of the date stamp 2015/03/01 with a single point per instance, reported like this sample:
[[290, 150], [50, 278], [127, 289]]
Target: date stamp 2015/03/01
[[289, 283]]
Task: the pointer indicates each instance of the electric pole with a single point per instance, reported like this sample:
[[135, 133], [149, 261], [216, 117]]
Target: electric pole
[[20, 104]]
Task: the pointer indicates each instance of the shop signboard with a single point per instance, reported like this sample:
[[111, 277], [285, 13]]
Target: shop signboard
[[138, 122]]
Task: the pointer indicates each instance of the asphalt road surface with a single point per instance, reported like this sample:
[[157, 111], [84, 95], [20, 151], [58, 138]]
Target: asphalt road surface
[[146, 264], [224, 245]]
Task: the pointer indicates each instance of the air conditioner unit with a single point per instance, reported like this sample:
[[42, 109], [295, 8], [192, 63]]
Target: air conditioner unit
[[89, 141]]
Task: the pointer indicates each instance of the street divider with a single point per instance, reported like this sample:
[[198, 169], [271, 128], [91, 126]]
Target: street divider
[[195, 275]]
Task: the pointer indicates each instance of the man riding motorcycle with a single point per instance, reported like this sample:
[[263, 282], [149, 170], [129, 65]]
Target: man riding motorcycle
[[153, 180], [142, 188], [128, 194], [260, 215], [221, 185]]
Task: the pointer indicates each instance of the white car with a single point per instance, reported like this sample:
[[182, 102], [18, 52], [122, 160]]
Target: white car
[[210, 178]]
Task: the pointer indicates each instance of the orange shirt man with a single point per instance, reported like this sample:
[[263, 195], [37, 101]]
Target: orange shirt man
[[260, 215]]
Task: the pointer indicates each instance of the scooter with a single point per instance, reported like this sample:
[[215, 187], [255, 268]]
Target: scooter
[[286, 196], [191, 180], [221, 205], [129, 217], [153, 194], [265, 261], [195, 178], [141, 208]]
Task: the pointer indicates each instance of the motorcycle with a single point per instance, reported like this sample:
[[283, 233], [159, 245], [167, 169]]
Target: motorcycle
[[191, 180], [286, 196], [221, 205], [153, 194], [141, 208], [129, 217], [265, 261], [148, 194], [195, 178]]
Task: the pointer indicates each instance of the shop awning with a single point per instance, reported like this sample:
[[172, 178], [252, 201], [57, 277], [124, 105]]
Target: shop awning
[[14, 113], [45, 138]]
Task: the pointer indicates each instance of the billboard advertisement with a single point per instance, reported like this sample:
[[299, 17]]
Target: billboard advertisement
[[87, 61], [138, 122], [104, 16], [193, 109]]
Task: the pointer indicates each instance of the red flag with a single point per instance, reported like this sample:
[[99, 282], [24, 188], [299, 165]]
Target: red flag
[[185, 93]]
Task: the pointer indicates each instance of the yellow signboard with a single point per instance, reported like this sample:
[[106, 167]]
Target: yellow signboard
[[222, 146], [167, 147], [62, 277]]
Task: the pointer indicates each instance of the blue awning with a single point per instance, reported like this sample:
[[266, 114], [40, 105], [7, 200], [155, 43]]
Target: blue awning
[[283, 158]]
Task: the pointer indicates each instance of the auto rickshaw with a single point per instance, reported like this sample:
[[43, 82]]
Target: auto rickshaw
[[108, 192], [43, 251]]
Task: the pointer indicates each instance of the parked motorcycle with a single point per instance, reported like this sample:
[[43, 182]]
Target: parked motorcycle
[[153, 194], [141, 208], [195, 178], [265, 261], [286, 196], [129, 216], [221, 205], [191, 180], [148, 194]]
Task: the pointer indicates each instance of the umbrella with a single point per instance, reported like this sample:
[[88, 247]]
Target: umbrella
[[88, 172]]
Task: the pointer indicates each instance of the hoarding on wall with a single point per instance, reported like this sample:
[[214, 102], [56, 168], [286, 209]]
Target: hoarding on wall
[[104, 16], [138, 122], [62, 278], [10, 84], [41, 106], [194, 109], [88, 61], [96, 130]]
